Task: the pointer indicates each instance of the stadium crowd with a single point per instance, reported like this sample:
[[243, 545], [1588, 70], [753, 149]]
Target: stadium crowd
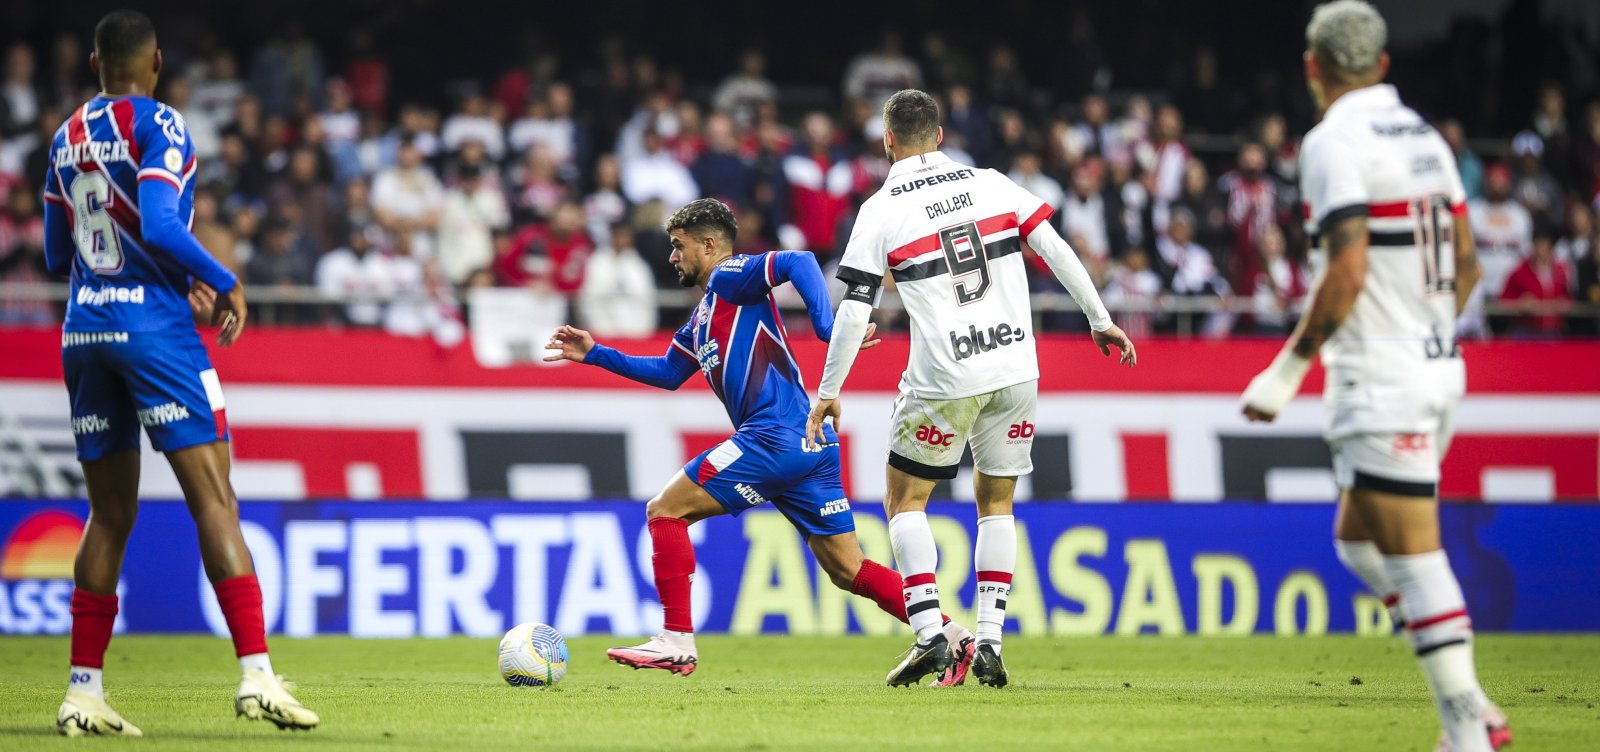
[[329, 177]]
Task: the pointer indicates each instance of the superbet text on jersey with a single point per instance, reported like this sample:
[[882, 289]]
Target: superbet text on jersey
[[951, 236], [1393, 364]]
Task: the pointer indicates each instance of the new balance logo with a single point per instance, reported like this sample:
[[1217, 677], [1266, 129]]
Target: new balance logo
[[974, 342], [932, 436], [749, 494], [104, 295], [161, 415], [836, 506], [87, 424]]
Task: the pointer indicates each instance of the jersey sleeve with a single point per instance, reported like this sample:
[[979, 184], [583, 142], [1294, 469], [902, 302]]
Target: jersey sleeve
[[1331, 181], [1031, 210], [683, 341], [865, 261], [166, 152]]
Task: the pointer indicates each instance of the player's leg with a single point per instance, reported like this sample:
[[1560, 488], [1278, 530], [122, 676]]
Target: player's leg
[[1002, 450], [106, 431], [184, 414], [681, 503], [1392, 484], [1353, 544]]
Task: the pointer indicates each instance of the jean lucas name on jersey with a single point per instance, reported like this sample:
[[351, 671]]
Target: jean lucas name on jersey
[[93, 151]]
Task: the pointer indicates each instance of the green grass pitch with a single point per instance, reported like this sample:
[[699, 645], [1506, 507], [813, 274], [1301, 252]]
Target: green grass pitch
[[775, 693]]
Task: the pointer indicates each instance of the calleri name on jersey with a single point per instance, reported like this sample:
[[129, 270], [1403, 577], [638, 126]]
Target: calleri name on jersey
[[951, 236]]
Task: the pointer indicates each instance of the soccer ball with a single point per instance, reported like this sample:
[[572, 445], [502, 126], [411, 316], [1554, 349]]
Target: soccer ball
[[533, 655]]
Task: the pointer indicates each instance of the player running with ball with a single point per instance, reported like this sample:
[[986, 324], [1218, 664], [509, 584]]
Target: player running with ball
[[952, 236], [1382, 192], [736, 338], [118, 200]]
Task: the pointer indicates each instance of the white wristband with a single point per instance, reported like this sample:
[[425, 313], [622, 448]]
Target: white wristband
[[1271, 390]]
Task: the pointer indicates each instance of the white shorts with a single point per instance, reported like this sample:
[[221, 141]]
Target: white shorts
[[1406, 464], [928, 435]]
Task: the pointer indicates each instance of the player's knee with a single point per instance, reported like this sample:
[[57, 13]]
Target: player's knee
[[660, 507], [116, 518]]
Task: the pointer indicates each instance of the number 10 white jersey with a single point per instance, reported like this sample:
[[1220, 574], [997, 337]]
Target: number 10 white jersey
[[951, 235], [1393, 364]]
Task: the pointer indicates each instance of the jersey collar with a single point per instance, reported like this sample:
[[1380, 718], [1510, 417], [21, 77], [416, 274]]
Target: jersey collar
[[1366, 97], [913, 164]]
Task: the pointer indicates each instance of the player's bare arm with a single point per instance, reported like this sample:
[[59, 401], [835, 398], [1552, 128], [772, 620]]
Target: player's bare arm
[[1467, 271], [1332, 299]]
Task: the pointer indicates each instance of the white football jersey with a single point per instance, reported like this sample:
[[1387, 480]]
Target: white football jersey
[[951, 236], [1394, 361]]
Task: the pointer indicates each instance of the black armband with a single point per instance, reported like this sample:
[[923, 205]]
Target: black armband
[[861, 286]]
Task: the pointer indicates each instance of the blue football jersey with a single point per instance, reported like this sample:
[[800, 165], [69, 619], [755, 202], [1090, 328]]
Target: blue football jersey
[[97, 160], [737, 337]]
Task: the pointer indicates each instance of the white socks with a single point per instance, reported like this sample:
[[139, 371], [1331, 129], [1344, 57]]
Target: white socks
[[1364, 561], [994, 558], [917, 558], [85, 679], [256, 661], [1439, 630]]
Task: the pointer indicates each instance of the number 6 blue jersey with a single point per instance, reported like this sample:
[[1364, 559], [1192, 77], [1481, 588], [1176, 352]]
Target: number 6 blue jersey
[[119, 198]]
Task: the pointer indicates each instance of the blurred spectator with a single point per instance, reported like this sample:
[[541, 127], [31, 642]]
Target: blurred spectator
[[22, 258], [1204, 199], [549, 123], [286, 68], [69, 82], [1007, 84], [219, 92], [20, 98], [874, 76], [368, 74], [1095, 135], [1166, 156], [1280, 287], [1534, 186], [474, 122], [720, 171], [424, 304], [1283, 154], [305, 186], [1575, 244], [1090, 212], [1011, 139], [1586, 153], [1133, 283], [819, 182], [1550, 125], [1190, 271], [282, 262], [548, 256], [356, 207], [340, 121], [407, 198], [1205, 102], [1027, 172], [176, 93], [359, 272], [605, 207], [1503, 231], [473, 210], [414, 126], [1253, 201], [618, 295], [971, 123], [1134, 127], [690, 141], [945, 68], [742, 93], [1538, 281], [1467, 162], [213, 234], [1588, 285], [656, 174]]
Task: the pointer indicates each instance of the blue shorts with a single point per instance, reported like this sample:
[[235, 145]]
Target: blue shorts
[[118, 381], [749, 469]]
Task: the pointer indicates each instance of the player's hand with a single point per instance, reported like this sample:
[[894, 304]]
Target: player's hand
[[1115, 337], [867, 342], [1270, 391], [573, 343], [229, 311], [201, 299], [824, 409]]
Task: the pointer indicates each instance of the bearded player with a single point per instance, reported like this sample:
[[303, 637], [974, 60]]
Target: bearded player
[[736, 338], [1383, 194], [118, 200]]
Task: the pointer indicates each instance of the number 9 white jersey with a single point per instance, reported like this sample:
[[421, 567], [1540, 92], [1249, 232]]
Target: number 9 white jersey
[[1393, 366], [951, 236]]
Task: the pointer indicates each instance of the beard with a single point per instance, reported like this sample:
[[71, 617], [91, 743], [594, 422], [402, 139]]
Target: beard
[[684, 279]]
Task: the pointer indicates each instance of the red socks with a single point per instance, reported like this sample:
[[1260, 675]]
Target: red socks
[[883, 585], [673, 562], [240, 599], [93, 616]]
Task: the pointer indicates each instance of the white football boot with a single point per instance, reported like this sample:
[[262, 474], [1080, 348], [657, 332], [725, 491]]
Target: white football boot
[[668, 652], [83, 713], [263, 696]]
